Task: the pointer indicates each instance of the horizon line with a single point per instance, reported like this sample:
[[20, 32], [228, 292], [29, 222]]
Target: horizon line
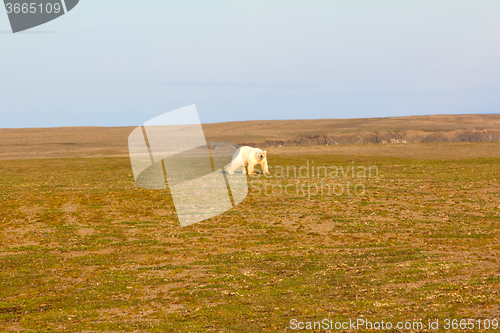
[[270, 120]]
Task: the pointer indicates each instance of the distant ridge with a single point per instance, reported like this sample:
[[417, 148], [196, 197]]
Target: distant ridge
[[112, 141], [412, 129], [385, 137]]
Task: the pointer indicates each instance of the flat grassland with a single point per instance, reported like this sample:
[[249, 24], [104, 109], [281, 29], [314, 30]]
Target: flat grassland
[[83, 249]]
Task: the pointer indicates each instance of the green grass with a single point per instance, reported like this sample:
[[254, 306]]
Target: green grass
[[83, 249]]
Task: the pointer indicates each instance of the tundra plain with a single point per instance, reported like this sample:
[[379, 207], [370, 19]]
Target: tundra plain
[[83, 249]]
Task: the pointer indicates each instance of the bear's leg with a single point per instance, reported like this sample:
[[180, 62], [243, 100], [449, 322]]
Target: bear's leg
[[250, 169], [265, 168], [230, 169], [236, 164]]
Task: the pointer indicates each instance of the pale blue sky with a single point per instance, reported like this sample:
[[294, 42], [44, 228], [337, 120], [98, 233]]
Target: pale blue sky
[[114, 63]]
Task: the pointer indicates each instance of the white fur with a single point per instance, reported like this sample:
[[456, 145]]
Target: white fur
[[248, 157]]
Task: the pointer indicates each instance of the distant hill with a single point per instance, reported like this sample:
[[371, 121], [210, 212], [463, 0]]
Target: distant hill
[[112, 141], [413, 129]]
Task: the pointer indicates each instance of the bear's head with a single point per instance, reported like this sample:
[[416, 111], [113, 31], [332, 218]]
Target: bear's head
[[261, 155]]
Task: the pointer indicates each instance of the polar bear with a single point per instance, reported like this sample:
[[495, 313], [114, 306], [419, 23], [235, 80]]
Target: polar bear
[[248, 157]]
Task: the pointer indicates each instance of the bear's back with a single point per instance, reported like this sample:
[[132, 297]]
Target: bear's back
[[248, 153]]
